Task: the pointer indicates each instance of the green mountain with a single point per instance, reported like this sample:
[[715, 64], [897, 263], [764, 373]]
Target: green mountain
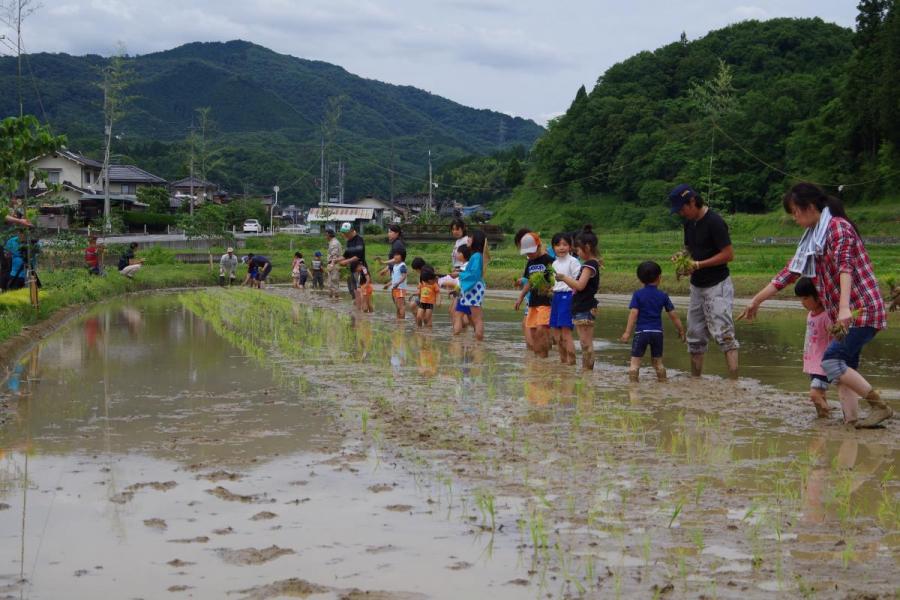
[[267, 110], [806, 100]]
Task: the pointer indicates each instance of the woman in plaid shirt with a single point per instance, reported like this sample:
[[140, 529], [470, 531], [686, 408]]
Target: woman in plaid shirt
[[833, 255]]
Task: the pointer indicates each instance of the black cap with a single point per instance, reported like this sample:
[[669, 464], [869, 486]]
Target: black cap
[[680, 196]]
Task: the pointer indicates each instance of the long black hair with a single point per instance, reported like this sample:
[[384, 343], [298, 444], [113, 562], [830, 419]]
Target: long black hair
[[804, 195], [396, 229], [478, 241], [586, 238]]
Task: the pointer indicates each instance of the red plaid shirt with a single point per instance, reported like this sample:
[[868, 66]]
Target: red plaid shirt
[[844, 253]]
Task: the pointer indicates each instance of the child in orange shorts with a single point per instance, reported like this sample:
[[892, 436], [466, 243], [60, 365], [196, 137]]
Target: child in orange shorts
[[537, 271]]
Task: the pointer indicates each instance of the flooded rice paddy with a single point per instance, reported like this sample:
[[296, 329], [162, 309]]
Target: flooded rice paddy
[[232, 443]]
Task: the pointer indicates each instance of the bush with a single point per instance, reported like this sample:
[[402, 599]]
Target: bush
[[372, 229], [151, 220]]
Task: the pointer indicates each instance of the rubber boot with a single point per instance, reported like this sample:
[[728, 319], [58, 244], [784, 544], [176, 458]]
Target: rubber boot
[[879, 411]]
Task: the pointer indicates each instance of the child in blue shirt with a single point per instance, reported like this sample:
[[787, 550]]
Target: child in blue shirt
[[645, 319]]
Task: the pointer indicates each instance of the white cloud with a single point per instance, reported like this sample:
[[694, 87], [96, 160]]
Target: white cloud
[[744, 13]]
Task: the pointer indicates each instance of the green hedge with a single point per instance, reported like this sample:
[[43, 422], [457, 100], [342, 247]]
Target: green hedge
[[149, 219]]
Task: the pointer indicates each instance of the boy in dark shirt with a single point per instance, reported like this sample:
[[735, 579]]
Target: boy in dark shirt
[[712, 292], [538, 319], [645, 320]]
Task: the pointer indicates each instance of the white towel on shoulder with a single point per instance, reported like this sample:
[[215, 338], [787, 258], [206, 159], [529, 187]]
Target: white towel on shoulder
[[812, 244]]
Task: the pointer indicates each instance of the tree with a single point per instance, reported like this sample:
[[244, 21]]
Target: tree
[[200, 150], [208, 221], [156, 199], [714, 98], [116, 77], [15, 12], [515, 175], [21, 140]]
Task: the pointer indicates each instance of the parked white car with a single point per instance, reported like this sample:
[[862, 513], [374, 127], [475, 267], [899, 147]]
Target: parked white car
[[252, 226]]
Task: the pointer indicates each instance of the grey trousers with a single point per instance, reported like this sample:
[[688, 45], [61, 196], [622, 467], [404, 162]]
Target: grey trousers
[[709, 315]]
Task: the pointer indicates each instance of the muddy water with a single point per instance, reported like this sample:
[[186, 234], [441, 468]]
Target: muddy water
[[592, 487], [144, 455]]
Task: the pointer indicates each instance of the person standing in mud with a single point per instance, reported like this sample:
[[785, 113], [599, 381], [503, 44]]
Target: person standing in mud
[[708, 243], [832, 254], [354, 253], [395, 239], [228, 267], [333, 265]]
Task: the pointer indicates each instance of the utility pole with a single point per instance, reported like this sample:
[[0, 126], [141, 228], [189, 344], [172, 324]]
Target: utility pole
[[392, 172], [107, 223], [19, 59], [191, 199], [322, 184], [340, 181], [430, 184]]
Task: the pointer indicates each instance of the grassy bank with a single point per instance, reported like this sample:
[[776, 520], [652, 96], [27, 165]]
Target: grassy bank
[[68, 287]]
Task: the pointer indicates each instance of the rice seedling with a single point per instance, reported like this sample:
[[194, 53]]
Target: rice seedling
[[676, 510], [484, 500], [848, 554], [364, 418], [699, 488], [537, 530], [698, 540], [683, 263]]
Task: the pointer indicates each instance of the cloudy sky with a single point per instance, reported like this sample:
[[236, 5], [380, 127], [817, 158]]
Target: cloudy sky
[[521, 57]]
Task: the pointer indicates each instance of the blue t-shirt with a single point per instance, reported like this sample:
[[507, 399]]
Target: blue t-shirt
[[650, 303], [472, 274]]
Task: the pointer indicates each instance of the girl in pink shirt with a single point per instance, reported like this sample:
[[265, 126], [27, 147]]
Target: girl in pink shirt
[[818, 323]]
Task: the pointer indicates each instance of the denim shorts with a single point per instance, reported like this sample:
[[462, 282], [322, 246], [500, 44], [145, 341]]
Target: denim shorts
[[642, 339], [818, 382], [583, 318], [561, 310], [849, 348]]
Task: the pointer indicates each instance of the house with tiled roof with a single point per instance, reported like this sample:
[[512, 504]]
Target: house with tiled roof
[[74, 183]]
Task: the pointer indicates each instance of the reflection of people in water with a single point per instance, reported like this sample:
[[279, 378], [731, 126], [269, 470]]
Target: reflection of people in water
[[92, 332], [133, 319], [427, 356], [398, 349], [364, 336], [826, 474], [13, 382]]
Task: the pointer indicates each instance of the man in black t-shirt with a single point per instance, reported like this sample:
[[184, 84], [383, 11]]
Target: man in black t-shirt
[[712, 292], [354, 252]]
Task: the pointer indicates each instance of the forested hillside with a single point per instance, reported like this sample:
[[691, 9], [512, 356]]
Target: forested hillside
[[267, 111], [739, 113]]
